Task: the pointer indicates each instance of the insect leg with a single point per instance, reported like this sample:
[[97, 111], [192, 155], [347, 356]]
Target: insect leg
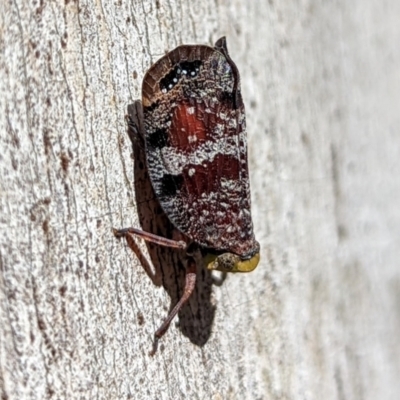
[[162, 241], [134, 119], [190, 283]]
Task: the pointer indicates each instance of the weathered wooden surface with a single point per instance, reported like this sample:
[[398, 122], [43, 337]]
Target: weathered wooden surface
[[319, 318]]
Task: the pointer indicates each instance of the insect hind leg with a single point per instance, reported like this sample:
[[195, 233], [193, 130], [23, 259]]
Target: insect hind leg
[[190, 283]]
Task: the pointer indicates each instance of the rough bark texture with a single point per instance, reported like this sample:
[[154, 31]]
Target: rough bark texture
[[318, 319]]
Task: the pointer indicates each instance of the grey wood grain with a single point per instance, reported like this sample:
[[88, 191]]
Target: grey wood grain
[[318, 319]]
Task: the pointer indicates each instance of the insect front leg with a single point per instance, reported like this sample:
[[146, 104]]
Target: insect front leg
[[150, 237], [135, 120]]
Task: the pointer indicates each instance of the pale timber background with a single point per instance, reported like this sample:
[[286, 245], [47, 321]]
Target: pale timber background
[[319, 318]]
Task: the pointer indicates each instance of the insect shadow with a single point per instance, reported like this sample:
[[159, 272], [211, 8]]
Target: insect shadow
[[197, 315]]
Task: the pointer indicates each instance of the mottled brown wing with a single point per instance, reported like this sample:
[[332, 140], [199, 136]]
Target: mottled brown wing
[[196, 147]]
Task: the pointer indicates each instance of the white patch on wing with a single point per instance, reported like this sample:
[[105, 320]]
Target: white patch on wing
[[176, 159]]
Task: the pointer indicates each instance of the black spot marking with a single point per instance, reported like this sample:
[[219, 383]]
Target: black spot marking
[[171, 79], [231, 99], [158, 139], [189, 69], [151, 107], [170, 184], [225, 97]]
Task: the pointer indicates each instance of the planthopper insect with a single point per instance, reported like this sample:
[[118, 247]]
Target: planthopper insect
[[196, 154]]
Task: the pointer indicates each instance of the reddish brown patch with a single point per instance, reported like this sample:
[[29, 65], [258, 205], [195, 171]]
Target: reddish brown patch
[[206, 178], [186, 128]]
